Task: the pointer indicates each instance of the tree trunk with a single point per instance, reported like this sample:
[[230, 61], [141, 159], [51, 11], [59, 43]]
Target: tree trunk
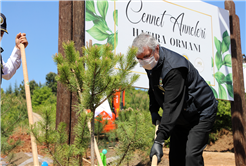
[[92, 140], [238, 106]]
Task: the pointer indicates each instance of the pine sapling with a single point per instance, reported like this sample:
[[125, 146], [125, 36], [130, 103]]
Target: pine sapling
[[134, 132], [55, 140], [93, 76], [13, 114]]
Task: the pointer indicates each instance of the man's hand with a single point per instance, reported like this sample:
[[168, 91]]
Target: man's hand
[[155, 116], [156, 150], [21, 38]]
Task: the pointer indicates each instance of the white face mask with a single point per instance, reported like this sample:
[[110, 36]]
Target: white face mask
[[149, 63]]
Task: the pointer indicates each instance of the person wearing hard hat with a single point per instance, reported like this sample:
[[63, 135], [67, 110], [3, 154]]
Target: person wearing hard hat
[[9, 68], [188, 103]]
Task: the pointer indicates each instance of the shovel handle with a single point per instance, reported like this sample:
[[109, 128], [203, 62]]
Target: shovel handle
[[154, 158], [29, 104]]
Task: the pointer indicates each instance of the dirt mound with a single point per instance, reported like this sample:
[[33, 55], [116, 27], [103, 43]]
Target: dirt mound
[[223, 144], [26, 143]]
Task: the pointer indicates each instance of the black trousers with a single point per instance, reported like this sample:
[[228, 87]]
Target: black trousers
[[187, 142]]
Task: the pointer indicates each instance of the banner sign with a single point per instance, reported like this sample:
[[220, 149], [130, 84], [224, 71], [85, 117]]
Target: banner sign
[[196, 30]]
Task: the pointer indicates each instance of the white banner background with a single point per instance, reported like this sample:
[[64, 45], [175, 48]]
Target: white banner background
[[188, 28]]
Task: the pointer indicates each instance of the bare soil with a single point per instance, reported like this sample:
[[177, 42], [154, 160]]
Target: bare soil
[[223, 144], [219, 153]]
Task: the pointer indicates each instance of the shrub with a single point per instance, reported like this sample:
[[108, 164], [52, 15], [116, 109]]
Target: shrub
[[223, 119]]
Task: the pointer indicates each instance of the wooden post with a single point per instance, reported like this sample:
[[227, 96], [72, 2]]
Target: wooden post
[[71, 27], [29, 104], [238, 106]]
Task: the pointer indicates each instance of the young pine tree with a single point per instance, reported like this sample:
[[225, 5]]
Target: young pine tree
[[13, 115], [93, 75], [55, 140], [9, 90], [16, 90], [135, 133]]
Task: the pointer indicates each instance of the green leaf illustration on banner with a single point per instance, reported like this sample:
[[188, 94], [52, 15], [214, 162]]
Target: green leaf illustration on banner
[[221, 48], [101, 25], [220, 77], [222, 92], [212, 59], [227, 60], [89, 16], [217, 44], [97, 33], [208, 82], [225, 42], [224, 45], [225, 34], [111, 40], [102, 6], [230, 90], [115, 15], [218, 60], [90, 6], [228, 79], [100, 30], [214, 91]]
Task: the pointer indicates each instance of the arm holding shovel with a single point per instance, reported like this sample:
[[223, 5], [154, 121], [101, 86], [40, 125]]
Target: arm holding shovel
[[9, 68]]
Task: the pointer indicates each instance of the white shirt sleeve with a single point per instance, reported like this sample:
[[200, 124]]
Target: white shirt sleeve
[[13, 63]]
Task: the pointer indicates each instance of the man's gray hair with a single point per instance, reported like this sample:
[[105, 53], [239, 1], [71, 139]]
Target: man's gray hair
[[144, 40]]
